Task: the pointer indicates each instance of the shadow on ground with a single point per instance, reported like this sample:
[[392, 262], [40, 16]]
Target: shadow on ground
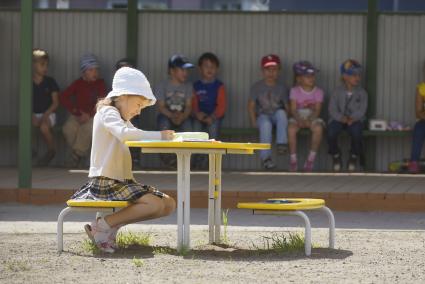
[[218, 253]]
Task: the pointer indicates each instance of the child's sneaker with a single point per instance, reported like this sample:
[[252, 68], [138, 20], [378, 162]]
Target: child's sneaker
[[282, 149], [413, 167], [308, 166], [293, 166], [99, 234], [268, 164], [352, 163], [336, 163]]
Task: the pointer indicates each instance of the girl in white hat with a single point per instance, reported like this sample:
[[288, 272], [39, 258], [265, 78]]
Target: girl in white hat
[[110, 176]]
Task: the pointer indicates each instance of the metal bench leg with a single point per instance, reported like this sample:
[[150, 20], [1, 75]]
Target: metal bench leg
[[59, 235], [331, 226], [307, 234]]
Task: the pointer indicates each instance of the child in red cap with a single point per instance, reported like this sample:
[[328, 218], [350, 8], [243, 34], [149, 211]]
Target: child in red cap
[[267, 107]]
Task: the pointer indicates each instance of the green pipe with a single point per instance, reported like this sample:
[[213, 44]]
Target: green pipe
[[25, 96], [132, 25]]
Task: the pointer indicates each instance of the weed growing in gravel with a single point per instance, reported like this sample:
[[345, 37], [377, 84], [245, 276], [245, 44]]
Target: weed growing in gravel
[[17, 265], [127, 239], [163, 250], [138, 262], [89, 247], [225, 239], [282, 243]]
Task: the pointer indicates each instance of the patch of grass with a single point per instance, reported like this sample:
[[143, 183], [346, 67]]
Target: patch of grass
[[163, 250], [138, 262], [281, 243], [127, 239], [89, 247], [17, 265], [225, 239]]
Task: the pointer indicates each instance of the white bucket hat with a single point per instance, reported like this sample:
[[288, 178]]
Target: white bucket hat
[[130, 81]]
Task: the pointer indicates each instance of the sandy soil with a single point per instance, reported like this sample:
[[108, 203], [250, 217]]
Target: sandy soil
[[366, 256]]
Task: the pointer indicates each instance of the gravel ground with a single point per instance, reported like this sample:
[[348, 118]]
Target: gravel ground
[[371, 247], [366, 256]]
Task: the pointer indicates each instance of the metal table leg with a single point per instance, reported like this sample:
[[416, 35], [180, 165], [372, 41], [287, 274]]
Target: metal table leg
[[183, 200]]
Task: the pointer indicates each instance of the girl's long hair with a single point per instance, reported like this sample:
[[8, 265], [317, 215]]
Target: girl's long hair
[[104, 102]]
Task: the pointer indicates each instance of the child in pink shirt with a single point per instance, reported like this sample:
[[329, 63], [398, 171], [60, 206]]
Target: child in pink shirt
[[305, 104]]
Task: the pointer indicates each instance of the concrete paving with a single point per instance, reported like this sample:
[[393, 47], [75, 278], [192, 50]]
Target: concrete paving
[[18, 218], [60, 178]]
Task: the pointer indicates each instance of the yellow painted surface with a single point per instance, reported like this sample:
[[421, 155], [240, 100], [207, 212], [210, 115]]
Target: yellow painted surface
[[97, 203], [298, 204], [249, 147]]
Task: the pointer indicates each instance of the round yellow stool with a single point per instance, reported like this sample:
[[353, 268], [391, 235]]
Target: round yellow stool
[[294, 207], [76, 205]]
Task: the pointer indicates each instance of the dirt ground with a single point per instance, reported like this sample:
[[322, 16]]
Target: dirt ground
[[361, 256]]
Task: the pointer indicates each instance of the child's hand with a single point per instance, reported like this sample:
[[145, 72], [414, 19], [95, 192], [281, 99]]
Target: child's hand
[[177, 118], [167, 134], [349, 120], [344, 119], [83, 118], [303, 123], [208, 120], [200, 116]]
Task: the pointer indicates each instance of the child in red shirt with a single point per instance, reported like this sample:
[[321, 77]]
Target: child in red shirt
[[80, 99]]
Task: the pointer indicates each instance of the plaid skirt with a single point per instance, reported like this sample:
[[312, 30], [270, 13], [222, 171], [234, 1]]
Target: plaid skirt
[[103, 188]]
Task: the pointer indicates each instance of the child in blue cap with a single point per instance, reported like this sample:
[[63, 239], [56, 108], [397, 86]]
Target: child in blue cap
[[347, 111]]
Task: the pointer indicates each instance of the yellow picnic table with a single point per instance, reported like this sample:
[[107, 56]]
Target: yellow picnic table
[[184, 150]]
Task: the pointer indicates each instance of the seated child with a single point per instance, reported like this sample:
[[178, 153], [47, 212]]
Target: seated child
[[80, 99], [135, 153], [419, 130], [45, 97], [175, 101], [266, 107], [347, 110], [110, 175], [208, 101], [306, 104]]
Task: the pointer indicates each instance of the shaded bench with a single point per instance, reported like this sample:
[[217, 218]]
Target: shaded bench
[[369, 135]]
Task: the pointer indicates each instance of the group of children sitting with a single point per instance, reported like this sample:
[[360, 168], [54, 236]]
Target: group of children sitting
[[201, 106]]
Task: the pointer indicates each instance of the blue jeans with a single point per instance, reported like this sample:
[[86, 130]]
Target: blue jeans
[[355, 131], [265, 124], [164, 123], [418, 140], [213, 129]]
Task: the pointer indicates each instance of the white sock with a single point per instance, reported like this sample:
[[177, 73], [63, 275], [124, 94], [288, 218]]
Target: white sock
[[103, 226], [293, 157], [311, 156]]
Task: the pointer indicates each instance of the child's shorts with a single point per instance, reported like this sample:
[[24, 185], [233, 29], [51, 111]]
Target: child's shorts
[[103, 188], [314, 121], [52, 118]]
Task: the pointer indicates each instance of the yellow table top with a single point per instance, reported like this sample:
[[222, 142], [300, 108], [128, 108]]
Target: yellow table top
[[285, 204], [199, 145]]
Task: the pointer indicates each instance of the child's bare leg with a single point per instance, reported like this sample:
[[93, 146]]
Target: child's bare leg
[[292, 137], [147, 207], [316, 137], [45, 130], [35, 121]]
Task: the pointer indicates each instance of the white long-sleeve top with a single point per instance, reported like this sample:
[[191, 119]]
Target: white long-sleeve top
[[110, 157]]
